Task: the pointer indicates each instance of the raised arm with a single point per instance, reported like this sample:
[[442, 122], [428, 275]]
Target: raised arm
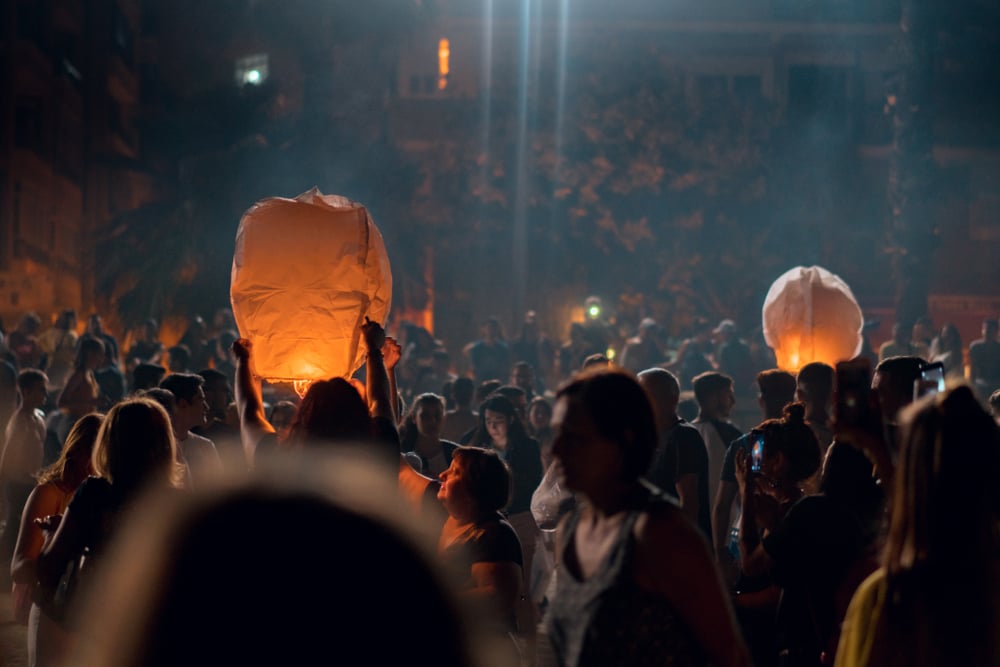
[[249, 402], [376, 377]]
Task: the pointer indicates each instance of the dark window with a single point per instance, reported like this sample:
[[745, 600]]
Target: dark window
[[746, 86], [711, 87], [815, 90], [28, 123], [414, 85], [430, 84]]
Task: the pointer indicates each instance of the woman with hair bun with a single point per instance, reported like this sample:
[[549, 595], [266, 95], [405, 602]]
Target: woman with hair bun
[[780, 539]]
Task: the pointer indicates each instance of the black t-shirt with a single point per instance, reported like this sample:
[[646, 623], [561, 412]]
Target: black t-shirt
[[813, 548], [490, 361], [682, 452], [729, 463], [985, 358]]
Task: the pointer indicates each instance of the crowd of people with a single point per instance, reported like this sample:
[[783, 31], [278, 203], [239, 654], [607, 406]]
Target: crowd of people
[[535, 503]]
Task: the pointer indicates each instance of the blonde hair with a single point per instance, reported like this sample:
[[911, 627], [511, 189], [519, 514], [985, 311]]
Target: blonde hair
[[136, 444]]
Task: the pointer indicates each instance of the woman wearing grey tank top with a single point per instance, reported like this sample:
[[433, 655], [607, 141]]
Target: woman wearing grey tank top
[[636, 582]]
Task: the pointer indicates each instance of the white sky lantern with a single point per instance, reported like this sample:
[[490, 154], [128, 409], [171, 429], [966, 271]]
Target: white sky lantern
[[306, 273], [811, 315]]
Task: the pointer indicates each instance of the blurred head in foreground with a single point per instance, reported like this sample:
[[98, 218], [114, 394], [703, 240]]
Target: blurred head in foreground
[[276, 571]]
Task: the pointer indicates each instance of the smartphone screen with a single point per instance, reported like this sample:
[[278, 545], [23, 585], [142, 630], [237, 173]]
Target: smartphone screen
[[933, 373], [757, 453]]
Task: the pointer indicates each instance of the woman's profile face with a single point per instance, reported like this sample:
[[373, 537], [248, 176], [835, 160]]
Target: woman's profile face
[[589, 461], [454, 494], [497, 424], [430, 419]]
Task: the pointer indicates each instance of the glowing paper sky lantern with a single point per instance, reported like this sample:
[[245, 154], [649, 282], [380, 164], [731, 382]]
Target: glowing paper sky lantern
[[811, 315], [306, 272]]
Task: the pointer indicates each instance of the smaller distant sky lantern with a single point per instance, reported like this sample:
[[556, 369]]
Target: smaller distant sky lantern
[[444, 63], [811, 315], [306, 273]]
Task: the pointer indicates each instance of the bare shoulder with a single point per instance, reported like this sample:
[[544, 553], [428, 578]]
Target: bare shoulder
[[665, 533], [46, 499]]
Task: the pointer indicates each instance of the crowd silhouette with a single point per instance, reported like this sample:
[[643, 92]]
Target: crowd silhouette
[[521, 503]]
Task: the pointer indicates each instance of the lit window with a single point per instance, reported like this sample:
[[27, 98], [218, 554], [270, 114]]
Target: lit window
[[444, 64], [252, 70]]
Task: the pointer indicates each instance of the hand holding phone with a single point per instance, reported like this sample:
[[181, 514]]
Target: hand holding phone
[[853, 406]]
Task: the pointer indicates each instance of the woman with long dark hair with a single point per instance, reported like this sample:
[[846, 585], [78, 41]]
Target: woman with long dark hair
[[936, 598]]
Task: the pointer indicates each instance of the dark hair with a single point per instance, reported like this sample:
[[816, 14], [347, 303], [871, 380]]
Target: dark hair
[[29, 377], [66, 317], [818, 380], [777, 389], [212, 376], [621, 412], [87, 345], [408, 432], [331, 411], [940, 551], [462, 390], [159, 615], [486, 388], [180, 355], [516, 432], [540, 400], [707, 385], [792, 437], [663, 379], [164, 397], [946, 494], [184, 386], [147, 375], [849, 480], [490, 480], [951, 340], [511, 391], [901, 372], [595, 360]]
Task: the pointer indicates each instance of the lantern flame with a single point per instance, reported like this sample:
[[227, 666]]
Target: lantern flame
[[301, 387]]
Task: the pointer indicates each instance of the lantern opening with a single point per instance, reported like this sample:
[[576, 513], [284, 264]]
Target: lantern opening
[[301, 387]]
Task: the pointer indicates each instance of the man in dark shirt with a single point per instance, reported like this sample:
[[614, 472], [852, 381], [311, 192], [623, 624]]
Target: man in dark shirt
[[680, 462], [776, 389], [984, 359], [489, 356]]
